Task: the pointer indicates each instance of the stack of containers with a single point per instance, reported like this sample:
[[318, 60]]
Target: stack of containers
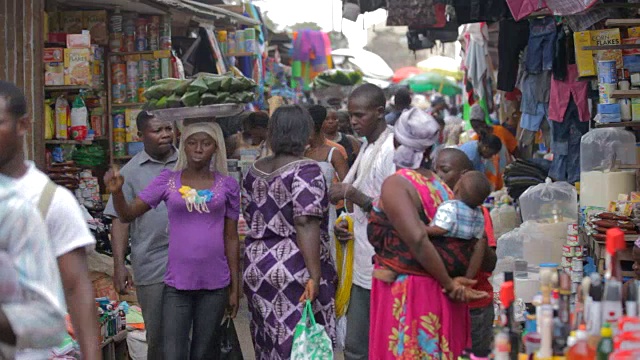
[[119, 134], [572, 256], [132, 79], [130, 32], [154, 33], [88, 191], [608, 108], [250, 40], [118, 80]]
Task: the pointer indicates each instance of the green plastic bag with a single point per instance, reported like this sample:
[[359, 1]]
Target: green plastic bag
[[310, 340]]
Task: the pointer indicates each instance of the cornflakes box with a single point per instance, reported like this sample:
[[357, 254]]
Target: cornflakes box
[[607, 37], [77, 68], [634, 31]]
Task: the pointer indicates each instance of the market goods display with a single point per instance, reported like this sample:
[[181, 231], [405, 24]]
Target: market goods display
[[205, 89], [337, 78]]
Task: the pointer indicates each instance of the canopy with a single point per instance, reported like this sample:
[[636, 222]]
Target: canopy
[[442, 65], [433, 82], [405, 72], [371, 65]]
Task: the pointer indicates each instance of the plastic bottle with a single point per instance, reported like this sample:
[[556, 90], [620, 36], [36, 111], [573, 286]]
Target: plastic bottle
[[79, 117], [605, 346], [581, 349], [62, 118]]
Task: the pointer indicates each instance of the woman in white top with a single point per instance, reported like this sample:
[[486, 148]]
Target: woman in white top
[[331, 161]]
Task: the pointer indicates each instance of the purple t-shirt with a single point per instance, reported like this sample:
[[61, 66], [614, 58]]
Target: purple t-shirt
[[197, 259]]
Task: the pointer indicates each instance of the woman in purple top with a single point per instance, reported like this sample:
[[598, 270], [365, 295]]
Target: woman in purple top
[[287, 258], [202, 275]]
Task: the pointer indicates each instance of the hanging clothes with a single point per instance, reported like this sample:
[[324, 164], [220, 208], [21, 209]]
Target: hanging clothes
[[476, 64], [416, 13], [561, 54], [512, 40], [559, 101], [371, 5], [472, 11], [569, 7], [541, 46], [520, 9], [565, 144]]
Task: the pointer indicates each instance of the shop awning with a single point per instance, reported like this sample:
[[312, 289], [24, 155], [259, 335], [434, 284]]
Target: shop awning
[[193, 8]]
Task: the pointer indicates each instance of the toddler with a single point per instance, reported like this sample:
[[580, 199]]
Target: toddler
[[462, 219]]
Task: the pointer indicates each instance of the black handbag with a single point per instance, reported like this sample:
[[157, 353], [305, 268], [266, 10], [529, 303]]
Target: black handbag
[[229, 343]]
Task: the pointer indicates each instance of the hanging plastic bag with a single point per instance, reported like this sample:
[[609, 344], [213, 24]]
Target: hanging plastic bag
[[310, 340], [344, 262], [229, 343]]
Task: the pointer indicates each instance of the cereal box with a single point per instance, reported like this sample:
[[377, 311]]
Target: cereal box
[[584, 58], [71, 22], [53, 55], [634, 31], [96, 23], [130, 116], [607, 37], [77, 69], [54, 73]]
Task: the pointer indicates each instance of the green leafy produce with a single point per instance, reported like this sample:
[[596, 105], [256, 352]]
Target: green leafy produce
[[237, 85], [214, 82], [162, 103], [209, 99], [226, 84], [163, 87], [198, 85], [183, 88], [151, 104], [248, 84], [174, 101], [191, 98]]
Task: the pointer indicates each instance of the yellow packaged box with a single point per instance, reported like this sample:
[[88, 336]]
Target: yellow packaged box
[[633, 32], [607, 37], [130, 116], [77, 69], [584, 58]]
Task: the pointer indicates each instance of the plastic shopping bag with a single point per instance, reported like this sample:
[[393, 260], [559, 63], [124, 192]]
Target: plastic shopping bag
[[310, 340], [229, 344]]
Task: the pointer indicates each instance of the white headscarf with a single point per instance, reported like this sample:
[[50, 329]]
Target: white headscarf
[[219, 159], [415, 131]]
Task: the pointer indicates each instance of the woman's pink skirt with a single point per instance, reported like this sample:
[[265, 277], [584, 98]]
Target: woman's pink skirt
[[413, 319]]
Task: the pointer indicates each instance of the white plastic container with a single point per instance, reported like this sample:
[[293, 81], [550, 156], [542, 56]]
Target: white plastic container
[[601, 152]]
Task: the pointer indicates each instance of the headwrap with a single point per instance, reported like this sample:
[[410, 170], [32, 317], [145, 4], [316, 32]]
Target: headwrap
[[477, 112], [219, 159], [416, 131]]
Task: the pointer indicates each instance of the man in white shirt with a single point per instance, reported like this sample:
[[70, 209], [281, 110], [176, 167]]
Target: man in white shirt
[[31, 299], [362, 186], [66, 227]]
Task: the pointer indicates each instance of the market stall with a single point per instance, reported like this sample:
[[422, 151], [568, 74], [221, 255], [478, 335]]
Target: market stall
[[104, 62]]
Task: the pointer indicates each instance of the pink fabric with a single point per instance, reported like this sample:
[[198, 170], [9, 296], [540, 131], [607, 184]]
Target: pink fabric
[[559, 96], [413, 319], [569, 7], [522, 8]]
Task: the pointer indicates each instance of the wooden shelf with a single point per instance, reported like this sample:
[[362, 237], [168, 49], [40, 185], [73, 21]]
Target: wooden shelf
[[622, 22], [73, 142], [132, 53], [128, 104], [623, 94], [67, 87], [612, 47], [239, 54], [633, 124]]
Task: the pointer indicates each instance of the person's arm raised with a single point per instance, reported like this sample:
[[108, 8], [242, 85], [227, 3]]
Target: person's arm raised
[[126, 212]]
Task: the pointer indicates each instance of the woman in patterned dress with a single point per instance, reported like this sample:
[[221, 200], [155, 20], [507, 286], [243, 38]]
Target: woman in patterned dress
[[403, 324], [287, 258]]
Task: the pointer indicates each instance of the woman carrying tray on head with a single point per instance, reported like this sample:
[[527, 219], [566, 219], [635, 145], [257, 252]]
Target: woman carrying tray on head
[[202, 275]]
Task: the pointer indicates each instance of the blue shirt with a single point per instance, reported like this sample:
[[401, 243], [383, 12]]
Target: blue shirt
[[471, 150]]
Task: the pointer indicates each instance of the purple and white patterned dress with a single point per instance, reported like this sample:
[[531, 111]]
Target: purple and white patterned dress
[[274, 270]]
